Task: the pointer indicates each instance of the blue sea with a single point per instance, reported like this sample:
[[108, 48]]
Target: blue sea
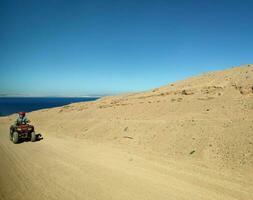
[[10, 105]]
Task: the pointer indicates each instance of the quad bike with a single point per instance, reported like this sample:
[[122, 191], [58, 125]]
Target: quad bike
[[20, 132]]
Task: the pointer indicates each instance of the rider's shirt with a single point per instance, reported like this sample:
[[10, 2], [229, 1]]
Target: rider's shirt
[[21, 120]]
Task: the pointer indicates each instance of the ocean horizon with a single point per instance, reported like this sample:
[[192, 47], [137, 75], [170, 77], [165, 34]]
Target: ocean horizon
[[12, 105]]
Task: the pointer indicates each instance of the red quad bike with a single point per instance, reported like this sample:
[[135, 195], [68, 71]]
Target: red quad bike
[[24, 131]]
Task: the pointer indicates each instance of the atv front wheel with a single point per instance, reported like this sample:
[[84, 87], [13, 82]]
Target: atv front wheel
[[15, 137], [33, 136]]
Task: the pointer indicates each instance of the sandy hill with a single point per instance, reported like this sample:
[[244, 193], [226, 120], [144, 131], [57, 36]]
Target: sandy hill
[[207, 119]]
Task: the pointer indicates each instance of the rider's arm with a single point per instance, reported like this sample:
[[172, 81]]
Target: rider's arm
[[26, 120], [16, 122]]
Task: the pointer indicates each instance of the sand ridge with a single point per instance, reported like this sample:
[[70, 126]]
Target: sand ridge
[[211, 114]]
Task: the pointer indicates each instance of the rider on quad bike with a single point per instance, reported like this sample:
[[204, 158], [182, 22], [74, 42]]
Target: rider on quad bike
[[21, 119], [21, 129]]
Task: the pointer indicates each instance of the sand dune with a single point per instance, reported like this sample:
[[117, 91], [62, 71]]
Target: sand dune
[[192, 139]]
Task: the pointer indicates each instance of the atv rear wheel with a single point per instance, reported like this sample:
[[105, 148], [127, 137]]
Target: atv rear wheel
[[15, 137], [33, 136]]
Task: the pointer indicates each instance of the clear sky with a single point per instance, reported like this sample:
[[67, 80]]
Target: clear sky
[[59, 47]]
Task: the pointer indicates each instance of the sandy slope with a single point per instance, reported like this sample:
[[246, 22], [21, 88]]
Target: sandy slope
[[210, 115], [192, 139], [69, 168]]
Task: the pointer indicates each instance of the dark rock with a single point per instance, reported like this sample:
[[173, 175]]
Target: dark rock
[[192, 152], [184, 92], [128, 137]]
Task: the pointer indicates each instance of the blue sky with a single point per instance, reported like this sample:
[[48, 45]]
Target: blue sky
[[102, 47]]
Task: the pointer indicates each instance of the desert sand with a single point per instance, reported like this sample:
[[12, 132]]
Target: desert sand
[[192, 139]]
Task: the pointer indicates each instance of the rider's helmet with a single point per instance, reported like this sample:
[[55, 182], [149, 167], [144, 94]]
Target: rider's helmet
[[21, 114]]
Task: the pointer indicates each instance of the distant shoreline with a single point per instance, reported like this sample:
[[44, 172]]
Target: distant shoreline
[[52, 96], [11, 105]]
